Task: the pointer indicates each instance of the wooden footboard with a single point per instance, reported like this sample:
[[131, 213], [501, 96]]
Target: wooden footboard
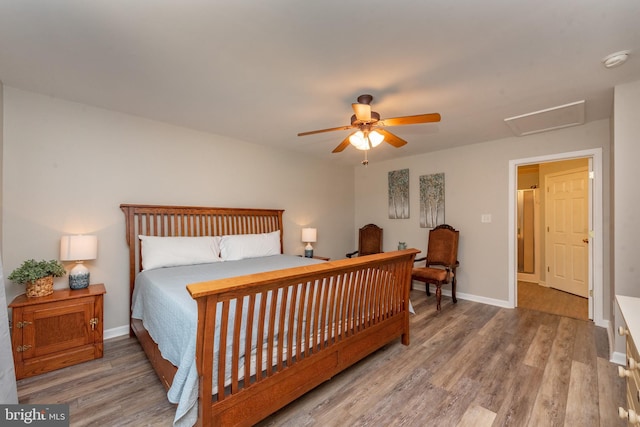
[[312, 322]]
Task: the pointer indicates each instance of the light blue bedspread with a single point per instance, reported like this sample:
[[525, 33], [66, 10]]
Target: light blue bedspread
[[168, 312]]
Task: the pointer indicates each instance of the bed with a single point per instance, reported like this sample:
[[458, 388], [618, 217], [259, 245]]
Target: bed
[[263, 328]]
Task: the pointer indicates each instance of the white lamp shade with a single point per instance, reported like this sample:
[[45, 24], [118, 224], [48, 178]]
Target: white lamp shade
[[78, 248], [309, 235], [366, 140], [359, 141], [375, 138]]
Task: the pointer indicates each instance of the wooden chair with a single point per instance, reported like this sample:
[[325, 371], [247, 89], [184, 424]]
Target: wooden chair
[[369, 241], [441, 261]]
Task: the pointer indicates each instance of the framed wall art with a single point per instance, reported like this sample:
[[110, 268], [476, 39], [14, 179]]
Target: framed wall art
[[399, 194], [431, 200]]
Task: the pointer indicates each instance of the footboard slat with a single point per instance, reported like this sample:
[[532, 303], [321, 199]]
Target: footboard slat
[[282, 316], [205, 349], [307, 331], [312, 322], [324, 317], [249, 335], [235, 361], [270, 334], [291, 321], [222, 358], [261, 323]]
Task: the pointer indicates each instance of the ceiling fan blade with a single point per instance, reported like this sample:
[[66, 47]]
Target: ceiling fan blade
[[326, 130], [363, 112], [392, 139], [411, 120], [344, 144]]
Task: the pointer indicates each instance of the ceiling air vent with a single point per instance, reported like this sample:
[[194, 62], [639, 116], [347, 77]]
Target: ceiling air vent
[[552, 118]]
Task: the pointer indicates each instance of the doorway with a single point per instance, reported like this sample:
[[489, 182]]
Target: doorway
[[593, 159], [561, 287]]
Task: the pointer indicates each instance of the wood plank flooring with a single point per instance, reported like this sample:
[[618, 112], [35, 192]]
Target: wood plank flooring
[[470, 365]]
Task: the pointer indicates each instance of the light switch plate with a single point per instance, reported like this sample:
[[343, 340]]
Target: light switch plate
[[485, 218]]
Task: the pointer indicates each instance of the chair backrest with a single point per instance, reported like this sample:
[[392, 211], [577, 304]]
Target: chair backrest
[[443, 245], [370, 240]]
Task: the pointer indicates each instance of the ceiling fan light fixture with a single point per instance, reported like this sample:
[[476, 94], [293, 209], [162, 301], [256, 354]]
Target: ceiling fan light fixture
[[359, 141], [375, 138], [366, 140]]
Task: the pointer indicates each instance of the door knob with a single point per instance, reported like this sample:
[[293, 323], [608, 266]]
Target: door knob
[[585, 240]]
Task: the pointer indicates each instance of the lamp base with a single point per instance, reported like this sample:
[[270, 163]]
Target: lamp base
[[308, 251], [79, 277]]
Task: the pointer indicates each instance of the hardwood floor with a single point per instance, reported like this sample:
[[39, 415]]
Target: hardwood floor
[[469, 365], [549, 300]]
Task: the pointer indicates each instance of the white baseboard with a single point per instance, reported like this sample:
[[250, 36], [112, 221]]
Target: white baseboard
[[619, 358], [483, 300], [529, 277], [616, 356], [469, 297], [116, 332]]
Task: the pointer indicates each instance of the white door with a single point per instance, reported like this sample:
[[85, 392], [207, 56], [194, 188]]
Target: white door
[[567, 237]]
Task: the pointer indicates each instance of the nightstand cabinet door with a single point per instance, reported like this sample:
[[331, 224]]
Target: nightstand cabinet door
[[57, 327], [58, 331]]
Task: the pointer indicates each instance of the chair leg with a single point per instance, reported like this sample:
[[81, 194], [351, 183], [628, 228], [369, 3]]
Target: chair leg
[[453, 290], [428, 290], [438, 296]]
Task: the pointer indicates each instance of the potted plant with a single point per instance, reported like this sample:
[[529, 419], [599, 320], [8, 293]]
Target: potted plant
[[37, 276]]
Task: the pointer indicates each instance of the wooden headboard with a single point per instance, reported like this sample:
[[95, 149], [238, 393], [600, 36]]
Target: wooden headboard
[[189, 221]]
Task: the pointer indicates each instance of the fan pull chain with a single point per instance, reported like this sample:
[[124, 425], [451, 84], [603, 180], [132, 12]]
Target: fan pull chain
[[365, 162]]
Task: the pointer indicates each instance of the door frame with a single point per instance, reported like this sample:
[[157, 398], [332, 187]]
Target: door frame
[[596, 274]]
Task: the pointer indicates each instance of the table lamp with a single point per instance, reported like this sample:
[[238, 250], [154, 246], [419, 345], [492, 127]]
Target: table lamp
[[78, 248], [309, 236]]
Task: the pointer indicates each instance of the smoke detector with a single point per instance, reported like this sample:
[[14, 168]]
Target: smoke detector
[[615, 59]]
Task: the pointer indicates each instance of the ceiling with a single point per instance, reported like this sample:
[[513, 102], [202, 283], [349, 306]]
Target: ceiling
[[263, 71]]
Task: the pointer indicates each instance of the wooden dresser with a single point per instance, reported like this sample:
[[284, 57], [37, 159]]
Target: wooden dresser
[[56, 330], [630, 308]]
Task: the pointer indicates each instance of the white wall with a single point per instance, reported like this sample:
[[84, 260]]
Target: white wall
[[1, 150], [8, 390], [68, 167], [626, 205], [627, 191], [476, 183]]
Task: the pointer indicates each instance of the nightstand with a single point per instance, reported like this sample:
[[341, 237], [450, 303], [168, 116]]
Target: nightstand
[[317, 257], [57, 330]]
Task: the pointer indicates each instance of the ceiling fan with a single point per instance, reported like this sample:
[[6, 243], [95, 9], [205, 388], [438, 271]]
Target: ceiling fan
[[370, 128]]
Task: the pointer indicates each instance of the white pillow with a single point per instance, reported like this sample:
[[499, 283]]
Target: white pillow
[[160, 252], [240, 246]]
